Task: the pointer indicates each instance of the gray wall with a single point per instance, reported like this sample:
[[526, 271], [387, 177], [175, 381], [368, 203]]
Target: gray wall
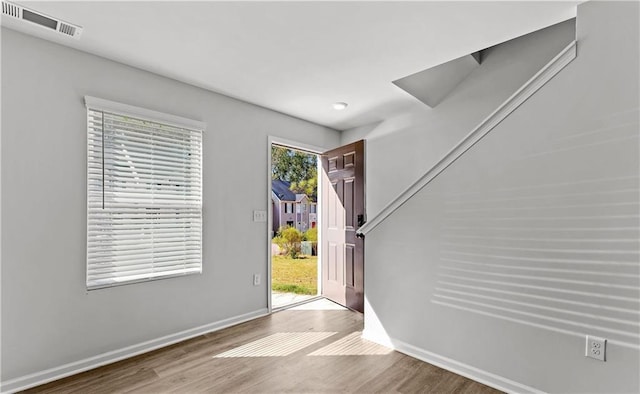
[[530, 240], [48, 318], [402, 148]]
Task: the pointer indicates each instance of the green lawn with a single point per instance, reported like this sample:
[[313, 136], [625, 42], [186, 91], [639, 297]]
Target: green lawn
[[298, 276]]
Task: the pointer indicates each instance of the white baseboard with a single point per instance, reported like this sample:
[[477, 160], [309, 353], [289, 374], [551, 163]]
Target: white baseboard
[[38, 378], [484, 377]]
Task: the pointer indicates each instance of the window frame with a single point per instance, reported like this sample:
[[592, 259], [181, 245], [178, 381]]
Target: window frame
[[160, 118]]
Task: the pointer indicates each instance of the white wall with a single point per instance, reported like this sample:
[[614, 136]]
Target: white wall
[[530, 240], [48, 318]]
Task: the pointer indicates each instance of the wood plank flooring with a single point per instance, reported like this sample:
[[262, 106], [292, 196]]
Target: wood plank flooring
[[268, 360]]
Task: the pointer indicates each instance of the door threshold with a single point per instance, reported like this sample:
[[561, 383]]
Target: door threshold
[[298, 303]]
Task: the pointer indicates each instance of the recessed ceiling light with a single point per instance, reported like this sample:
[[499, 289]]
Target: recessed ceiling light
[[339, 106]]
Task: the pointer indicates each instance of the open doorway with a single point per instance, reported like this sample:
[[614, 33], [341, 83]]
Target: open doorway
[[294, 226], [312, 231]]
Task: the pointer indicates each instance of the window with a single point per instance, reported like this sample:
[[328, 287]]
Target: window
[[297, 208], [290, 223], [313, 208], [144, 194], [287, 208]]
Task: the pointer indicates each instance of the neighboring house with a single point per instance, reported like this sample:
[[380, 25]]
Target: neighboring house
[[290, 209]]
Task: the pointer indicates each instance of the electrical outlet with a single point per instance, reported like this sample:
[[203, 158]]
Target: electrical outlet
[[259, 216], [256, 279], [596, 348]]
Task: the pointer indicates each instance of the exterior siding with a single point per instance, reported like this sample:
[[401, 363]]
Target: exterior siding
[[299, 213]]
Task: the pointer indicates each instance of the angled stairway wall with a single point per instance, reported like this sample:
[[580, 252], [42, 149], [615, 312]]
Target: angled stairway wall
[[501, 265], [404, 147]]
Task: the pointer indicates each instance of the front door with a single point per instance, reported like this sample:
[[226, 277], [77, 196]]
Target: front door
[[342, 214]]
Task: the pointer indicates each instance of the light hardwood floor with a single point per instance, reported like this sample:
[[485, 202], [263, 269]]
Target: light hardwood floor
[[295, 351]]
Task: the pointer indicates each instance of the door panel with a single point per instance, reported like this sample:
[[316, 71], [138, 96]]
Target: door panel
[[343, 203], [350, 264], [349, 202]]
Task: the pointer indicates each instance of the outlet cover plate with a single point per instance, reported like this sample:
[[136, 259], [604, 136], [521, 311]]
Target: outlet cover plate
[[259, 216], [596, 348]]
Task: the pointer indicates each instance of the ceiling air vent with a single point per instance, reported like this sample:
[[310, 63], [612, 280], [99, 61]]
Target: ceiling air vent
[[23, 13], [66, 29], [10, 9]]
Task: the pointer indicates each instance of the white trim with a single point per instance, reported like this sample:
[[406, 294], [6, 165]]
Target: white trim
[[513, 102], [294, 145], [1, 254], [38, 378], [269, 223], [319, 204], [479, 375], [137, 112]]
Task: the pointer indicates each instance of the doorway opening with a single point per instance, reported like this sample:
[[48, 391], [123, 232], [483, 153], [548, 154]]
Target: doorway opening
[[317, 204], [294, 226]]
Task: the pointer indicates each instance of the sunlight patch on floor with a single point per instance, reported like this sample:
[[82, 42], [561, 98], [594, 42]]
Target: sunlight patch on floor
[[352, 345], [277, 345]]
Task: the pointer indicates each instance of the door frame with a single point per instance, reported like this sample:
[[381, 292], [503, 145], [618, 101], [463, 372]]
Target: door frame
[[287, 143]]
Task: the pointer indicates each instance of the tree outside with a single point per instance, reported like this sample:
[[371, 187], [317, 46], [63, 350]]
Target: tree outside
[[289, 240], [298, 168]]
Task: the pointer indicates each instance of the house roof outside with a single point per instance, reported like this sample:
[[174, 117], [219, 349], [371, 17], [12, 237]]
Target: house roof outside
[[281, 190]]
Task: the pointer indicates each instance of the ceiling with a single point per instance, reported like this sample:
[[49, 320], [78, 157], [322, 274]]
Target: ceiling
[[297, 57]]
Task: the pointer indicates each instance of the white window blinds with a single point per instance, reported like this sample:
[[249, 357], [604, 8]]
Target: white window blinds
[[144, 194]]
